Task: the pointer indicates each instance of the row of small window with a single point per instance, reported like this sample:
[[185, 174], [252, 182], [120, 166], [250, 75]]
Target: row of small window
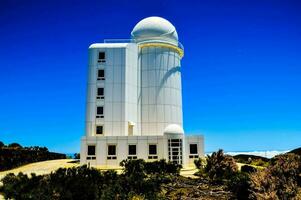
[[132, 152]]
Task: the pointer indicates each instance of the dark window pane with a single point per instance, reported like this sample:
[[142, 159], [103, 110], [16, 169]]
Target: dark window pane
[[193, 149], [99, 129], [152, 150], [112, 150], [132, 149], [101, 55], [100, 91], [101, 73], [91, 150], [100, 110]]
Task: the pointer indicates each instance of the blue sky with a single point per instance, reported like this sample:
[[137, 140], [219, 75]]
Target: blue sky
[[241, 72]]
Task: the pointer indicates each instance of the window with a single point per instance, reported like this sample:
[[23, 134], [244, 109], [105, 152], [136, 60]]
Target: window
[[132, 152], [101, 57], [193, 149], [91, 150], [99, 130], [132, 149], [152, 151], [99, 112], [101, 74], [100, 93], [111, 152]]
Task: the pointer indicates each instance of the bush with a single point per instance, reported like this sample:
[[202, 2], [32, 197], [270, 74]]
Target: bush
[[2, 144], [76, 156], [239, 184], [220, 166], [89, 183], [200, 163], [145, 178], [251, 159], [15, 155], [162, 167], [279, 181], [15, 145], [248, 169]]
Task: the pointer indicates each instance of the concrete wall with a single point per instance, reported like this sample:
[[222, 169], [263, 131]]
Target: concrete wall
[[141, 142]]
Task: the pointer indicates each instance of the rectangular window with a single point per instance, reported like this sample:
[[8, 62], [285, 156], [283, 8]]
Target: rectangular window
[[111, 152], [91, 150], [101, 74], [132, 149], [152, 149], [193, 148], [99, 112], [99, 130], [101, 57], [100, 93]]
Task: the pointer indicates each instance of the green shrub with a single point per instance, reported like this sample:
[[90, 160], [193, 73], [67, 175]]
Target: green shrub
[[145, 178], [162, 167], [239, 184], [15, 145], [220, 166], [248, 169], [2, 144], [89, 183], [260, 163], [279, 181], [15, 155], [200, 163], [76, 156]]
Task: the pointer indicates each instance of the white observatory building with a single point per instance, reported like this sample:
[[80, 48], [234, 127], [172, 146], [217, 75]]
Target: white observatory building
[[134, 99]]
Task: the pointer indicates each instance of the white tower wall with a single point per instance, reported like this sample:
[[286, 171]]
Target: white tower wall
[[161, 89]]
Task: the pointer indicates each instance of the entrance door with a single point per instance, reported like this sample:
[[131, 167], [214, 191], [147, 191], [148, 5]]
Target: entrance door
[[175, 150]]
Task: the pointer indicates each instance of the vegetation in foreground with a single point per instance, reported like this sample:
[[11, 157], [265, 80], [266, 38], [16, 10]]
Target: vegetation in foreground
[[281, 179], [219, 178], [138, 180], [14, 155]]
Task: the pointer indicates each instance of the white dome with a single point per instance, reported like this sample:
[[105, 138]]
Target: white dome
[[155, 28], [174, 129]]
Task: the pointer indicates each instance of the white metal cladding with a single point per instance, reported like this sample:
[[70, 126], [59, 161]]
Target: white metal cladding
[[120, 89], [161, 99]]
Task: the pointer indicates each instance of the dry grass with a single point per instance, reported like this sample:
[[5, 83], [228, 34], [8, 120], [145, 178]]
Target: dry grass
[[40, 168]]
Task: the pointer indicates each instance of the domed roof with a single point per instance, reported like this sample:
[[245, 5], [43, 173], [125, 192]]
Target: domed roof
[[155, 28], [174, 129]]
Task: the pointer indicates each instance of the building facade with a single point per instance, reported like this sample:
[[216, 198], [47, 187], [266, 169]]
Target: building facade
[[134, 99]]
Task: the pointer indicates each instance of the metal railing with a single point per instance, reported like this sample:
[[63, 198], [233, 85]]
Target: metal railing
[[153, 39], [119, 41]]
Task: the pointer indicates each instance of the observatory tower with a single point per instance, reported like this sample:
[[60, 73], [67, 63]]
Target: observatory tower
[[159, 62], [134, 99]]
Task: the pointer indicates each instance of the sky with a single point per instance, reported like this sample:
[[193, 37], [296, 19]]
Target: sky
[[241, 73]]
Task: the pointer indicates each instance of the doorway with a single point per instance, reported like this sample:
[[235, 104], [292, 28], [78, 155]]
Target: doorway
[[175, 151]]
